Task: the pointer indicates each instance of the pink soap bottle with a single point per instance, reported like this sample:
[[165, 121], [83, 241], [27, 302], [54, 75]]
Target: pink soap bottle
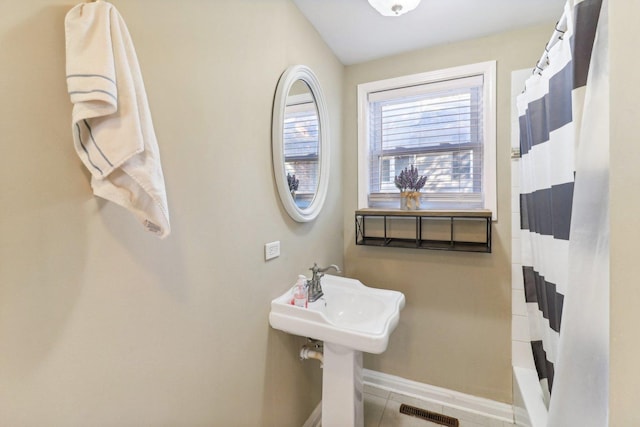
[[300, 292]]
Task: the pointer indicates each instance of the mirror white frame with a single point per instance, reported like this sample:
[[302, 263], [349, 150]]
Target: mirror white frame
[[288, 78]]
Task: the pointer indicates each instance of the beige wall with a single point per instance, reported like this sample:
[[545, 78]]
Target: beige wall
[[455, 329], [624, 178], [102, 324]]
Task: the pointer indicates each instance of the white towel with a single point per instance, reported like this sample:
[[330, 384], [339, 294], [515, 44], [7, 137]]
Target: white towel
[[112, 128]]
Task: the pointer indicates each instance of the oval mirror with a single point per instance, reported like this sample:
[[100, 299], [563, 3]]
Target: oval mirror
[[300, 143]]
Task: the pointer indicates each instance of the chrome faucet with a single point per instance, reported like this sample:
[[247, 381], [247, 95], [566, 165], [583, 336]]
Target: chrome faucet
[[314, 288]]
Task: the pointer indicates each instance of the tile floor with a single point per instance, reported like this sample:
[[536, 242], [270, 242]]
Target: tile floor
[[382, 409]]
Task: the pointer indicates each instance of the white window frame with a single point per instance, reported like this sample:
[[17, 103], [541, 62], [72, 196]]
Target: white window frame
[[487, 70]]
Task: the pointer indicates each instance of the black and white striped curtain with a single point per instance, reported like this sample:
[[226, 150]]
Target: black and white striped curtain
[[551, 111]]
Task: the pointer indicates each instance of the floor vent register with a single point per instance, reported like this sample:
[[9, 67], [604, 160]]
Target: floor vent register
[[434, 417]]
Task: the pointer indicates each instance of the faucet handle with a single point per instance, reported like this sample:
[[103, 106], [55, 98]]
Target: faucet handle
[[315, 269]]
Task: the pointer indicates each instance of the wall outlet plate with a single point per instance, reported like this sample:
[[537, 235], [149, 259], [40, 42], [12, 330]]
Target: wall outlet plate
[[271, 250]]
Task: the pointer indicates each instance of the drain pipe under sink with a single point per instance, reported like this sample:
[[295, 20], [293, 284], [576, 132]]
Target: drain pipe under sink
[[312, 350]]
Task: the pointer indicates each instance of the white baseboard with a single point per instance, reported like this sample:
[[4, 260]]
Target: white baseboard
[[441, 396]]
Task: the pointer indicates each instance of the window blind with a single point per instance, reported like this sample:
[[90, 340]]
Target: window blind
[[437, 128]]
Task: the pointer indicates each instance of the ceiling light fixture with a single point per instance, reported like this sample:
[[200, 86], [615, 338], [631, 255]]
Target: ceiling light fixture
[[394, 7]]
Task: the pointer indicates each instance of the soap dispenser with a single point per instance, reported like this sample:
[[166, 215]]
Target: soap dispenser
[[300, 292]]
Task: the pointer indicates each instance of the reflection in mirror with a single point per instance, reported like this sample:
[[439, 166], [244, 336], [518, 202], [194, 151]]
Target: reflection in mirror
[[301, 144]]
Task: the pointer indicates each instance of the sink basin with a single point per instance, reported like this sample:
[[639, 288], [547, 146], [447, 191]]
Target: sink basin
[[350, 314]]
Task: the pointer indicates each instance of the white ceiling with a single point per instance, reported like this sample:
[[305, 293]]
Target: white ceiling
[[357, 33]]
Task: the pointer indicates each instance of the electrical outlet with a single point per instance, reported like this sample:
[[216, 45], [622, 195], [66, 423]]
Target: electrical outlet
[[271, 250]]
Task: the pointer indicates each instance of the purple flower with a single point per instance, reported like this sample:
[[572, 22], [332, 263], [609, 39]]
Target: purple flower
[[293, 182], [410, 179]]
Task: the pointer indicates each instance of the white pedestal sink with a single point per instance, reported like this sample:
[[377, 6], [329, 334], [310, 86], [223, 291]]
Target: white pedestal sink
[[351, 318]]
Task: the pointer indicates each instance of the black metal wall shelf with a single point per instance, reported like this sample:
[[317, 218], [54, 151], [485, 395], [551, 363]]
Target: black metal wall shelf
[[384, 236]]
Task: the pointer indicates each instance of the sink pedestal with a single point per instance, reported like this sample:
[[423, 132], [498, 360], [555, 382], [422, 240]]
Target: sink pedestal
[[342, 395], [351, 319]]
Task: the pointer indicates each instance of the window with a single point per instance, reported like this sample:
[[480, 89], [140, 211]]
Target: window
[[300, 135], [442, 123]]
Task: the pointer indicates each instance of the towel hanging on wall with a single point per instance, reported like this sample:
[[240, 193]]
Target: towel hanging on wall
[[111, 122]]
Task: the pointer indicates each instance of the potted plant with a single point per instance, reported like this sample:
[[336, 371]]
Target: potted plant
[[409, 182], [293, 184]]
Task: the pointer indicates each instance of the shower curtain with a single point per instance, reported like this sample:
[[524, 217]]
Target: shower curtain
[[563, 114]]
